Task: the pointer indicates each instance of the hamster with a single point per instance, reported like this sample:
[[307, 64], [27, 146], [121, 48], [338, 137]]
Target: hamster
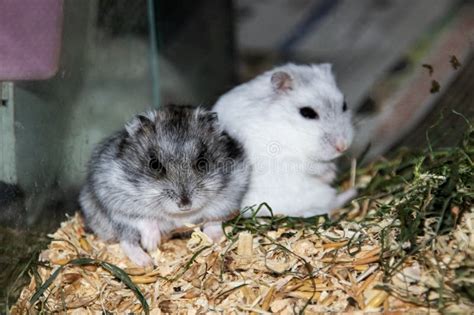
[[166, 168], [293, 122]]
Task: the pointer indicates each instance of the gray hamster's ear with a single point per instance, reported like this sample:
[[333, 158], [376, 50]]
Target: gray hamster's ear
[[142, 121], [208, 119], [281, 81]]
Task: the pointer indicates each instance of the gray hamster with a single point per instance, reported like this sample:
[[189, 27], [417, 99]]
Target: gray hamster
[[166, 168]]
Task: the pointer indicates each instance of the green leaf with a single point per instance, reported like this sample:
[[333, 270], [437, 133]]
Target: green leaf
[[114, 270]]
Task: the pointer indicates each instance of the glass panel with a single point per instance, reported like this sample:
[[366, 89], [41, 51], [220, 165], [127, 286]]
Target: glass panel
[[79, 69]]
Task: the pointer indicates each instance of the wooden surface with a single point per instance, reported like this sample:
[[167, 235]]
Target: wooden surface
[[445, 127], [362, 38], [406, 98]]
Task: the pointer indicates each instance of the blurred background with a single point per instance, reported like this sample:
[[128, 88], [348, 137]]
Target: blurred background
[[72, 72]]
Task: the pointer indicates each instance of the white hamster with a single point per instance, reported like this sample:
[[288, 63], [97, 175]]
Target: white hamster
[[293, 122]]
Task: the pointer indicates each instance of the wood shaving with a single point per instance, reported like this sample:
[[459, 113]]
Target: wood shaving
[[251, 275]]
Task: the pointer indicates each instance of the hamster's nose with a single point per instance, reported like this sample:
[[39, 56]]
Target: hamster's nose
[[184, 201], [340, 145]]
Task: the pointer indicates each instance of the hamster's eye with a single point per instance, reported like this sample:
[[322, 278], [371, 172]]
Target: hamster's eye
[[202, 165], [344, 106], [156, 166], [309, 113]]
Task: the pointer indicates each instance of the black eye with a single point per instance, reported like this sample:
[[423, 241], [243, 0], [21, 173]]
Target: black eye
[[344, 107], [156, 166], [308, 112], [202, 165]]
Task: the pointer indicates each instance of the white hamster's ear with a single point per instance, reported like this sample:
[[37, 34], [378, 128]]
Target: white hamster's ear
[[142, 121], [281, 81]]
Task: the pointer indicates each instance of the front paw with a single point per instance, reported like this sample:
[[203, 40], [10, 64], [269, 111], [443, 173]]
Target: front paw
[[136, 254], [345, 197], [213, 230], [150, 240]]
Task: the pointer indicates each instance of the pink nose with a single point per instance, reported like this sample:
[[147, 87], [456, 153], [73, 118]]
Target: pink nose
[[340, 146]]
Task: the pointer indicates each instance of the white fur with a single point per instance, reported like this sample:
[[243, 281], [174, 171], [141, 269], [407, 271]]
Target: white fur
[[136, 254], [291, 156], [213, 230]]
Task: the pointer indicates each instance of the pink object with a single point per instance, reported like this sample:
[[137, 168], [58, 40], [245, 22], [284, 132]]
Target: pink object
[[30, 39]]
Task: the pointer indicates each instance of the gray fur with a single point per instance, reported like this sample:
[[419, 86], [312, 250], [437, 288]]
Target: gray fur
[[124, 198]]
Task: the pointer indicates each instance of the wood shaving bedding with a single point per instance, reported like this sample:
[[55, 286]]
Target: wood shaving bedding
[[283, 272]]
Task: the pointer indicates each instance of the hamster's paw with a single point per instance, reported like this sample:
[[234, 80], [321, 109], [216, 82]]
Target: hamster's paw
[[311, 213], [150, 239], [213, 230], [136, 254], [328, 177], [344, 197]]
